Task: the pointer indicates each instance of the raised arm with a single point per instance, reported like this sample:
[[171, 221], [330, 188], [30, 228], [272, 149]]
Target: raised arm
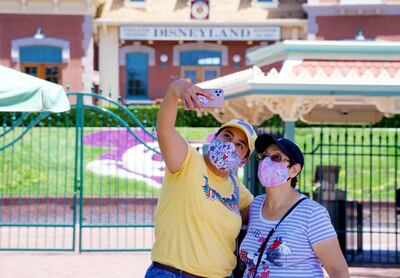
[[172, 145]]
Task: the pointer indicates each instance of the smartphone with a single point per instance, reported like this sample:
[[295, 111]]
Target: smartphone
[[218, 100]]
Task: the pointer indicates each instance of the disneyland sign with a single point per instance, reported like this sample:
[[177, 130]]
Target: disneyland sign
[[231, 33]]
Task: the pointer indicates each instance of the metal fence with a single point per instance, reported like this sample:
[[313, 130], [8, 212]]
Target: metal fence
[[354, 172], [89, 179], [78, 180]]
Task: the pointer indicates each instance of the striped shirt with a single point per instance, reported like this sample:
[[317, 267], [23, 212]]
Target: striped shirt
[[289, 251]]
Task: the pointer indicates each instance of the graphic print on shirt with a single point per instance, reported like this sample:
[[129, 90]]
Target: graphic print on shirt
[[275, 251], [231, 204]]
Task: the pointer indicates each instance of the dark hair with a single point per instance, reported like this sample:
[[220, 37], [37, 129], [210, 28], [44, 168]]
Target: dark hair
[[221, 129], [293, 181]]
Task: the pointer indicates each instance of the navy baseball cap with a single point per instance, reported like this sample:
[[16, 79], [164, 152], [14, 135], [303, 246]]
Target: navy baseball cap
[[288, 147]]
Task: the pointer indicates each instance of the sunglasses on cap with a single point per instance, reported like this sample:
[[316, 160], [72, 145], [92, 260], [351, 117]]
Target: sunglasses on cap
[[275, 157]]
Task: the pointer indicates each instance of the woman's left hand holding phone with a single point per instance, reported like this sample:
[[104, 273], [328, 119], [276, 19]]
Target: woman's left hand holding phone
[[188, 94]]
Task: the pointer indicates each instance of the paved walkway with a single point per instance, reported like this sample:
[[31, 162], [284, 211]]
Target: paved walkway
[[108, 265]]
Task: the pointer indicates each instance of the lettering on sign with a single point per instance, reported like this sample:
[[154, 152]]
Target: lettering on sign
[[232, 33]]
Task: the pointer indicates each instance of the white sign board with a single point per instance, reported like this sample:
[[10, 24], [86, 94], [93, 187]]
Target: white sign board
[[197, 33]]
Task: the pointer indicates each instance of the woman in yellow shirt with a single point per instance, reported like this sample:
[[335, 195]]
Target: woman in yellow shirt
[[201, 205]]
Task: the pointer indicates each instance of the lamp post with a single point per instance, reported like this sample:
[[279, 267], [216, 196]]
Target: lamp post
[[39, 35], [164, 60]]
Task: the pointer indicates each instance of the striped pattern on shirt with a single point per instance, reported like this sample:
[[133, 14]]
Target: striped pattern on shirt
[[289, 251]]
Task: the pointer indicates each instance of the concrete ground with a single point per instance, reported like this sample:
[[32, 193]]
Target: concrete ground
[[109, 265]]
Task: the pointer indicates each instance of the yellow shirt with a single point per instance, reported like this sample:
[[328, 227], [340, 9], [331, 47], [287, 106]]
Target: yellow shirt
[[197, 220]]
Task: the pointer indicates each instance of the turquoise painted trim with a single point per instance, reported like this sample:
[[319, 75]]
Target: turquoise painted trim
[[78, 165], [320, 146], [123, 108], [43, 115], [124, 124], [280, 51], [319, 92], [78, 168], [289, 130], [15, 124], [39, 118], [81, 170], [37, 249], [36, 225]]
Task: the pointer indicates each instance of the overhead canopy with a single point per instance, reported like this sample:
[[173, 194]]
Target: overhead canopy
[[315, 81], [20, 92]]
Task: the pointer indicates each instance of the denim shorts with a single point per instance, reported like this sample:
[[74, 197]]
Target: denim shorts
[[154, 272]]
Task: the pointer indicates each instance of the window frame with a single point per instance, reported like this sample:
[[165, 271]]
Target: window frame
[[41, 69], [146, 93], [265, 4], [136, 4], [201, 70]]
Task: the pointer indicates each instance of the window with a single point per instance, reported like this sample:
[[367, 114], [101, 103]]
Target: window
[[200, 58], [135, 4], [42, 61], [136, 75], [47, 72], [200, 65], [200, 74], [265, 3]]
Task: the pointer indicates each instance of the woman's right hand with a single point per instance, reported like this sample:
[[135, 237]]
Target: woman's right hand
[[188, 94]]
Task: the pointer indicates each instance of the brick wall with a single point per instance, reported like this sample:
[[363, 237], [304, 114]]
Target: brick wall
[[65, 27]]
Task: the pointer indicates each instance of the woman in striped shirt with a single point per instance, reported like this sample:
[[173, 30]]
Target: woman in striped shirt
[[288, 234]]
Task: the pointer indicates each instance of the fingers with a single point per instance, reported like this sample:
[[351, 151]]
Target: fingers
[[190, 98], [207, 93], [188, 93], [194, 92]]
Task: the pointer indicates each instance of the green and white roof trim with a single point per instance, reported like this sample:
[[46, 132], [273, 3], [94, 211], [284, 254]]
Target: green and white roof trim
[[358, 94]]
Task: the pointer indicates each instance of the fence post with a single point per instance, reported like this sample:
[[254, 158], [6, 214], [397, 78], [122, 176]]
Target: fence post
[[289, 130], [78, 171]]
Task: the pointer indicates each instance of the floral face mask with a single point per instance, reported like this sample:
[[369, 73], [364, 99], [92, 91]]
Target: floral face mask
[[272, 174], [223, 155]]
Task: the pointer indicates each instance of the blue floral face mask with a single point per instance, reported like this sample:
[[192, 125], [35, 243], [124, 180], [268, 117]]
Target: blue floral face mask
[[223, 155]]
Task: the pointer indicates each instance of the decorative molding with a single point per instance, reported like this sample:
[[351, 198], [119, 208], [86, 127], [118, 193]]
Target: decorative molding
[[254, 112], [326, 50], [47, 41], [389, 106], [137, 48], [337, 77], [234, 82], [293, 108], [253, 88], [200, 46], [250, 49]]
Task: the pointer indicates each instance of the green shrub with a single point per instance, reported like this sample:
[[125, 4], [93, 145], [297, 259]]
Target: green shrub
[[147, 115]]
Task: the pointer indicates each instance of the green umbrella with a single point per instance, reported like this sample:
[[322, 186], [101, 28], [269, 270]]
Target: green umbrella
[[20, 92]]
